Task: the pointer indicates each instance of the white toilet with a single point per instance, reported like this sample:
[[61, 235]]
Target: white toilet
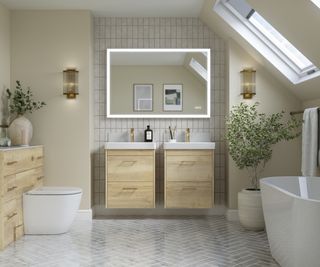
[[50, 210]]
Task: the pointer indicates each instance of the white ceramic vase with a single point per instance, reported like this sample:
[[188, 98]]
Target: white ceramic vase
[[20, 131], [250, 210]]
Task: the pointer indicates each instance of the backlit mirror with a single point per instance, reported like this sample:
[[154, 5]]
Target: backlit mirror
[[158, 83]]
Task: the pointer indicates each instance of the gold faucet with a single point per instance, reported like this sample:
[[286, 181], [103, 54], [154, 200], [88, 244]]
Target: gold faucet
[[132, 135], [187, 135]]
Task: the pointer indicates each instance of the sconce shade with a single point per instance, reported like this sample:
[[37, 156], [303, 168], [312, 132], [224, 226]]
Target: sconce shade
[[70, 83], [248, 83]]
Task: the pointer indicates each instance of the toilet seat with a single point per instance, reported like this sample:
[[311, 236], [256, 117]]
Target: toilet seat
[[52, 190]]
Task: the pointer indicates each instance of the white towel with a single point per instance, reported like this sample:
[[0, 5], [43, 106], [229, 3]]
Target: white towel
[[309, 164]]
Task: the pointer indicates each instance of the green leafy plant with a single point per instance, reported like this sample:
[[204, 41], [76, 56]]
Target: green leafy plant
[[21, 100], [251, 135]]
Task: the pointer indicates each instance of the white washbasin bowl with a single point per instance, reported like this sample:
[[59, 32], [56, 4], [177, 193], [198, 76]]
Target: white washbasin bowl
[[189, 145], [130, 145]]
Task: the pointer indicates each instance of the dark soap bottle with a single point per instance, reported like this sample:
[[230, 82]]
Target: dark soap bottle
[[148, 134]]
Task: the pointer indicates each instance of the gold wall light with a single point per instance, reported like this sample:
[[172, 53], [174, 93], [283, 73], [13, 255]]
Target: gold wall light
[[70, 83], [248, 83]]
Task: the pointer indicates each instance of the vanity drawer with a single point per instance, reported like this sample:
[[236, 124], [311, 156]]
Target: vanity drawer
[[10, 188], [130, 195], [188, 195], [30, 179], [130, 168], [189, 168], [10, 221], [22, 159]]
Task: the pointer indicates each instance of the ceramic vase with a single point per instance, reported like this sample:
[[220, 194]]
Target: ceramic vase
[[250, 209], [20, 131]]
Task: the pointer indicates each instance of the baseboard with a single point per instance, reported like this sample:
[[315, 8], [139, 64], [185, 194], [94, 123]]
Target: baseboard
[[102, 211], [232, 215], [84, 215]]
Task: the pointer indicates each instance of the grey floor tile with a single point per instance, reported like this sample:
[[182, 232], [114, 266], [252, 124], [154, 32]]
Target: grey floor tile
[[157, 242]]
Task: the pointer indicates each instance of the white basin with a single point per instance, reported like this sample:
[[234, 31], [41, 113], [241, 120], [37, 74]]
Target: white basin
[[130, 145], [189, 145]]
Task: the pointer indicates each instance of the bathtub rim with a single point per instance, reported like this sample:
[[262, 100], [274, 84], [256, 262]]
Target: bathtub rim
[[265, 181]]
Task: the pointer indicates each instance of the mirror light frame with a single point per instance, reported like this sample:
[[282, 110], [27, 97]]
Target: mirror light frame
[[147, 50]]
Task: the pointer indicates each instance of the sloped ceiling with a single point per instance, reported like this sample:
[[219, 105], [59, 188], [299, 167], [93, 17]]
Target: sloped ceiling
[[297, 20], [116, 8]]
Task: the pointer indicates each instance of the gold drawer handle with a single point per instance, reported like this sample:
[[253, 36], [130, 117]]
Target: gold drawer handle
[[17, 226], [12, 162], [187, 162], [11, 188], [128, 163], [189, 188], [40, 157], [40, 178], [11, 215], [129, 188]]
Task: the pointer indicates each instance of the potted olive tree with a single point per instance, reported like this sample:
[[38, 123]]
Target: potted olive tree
[[250, 136]]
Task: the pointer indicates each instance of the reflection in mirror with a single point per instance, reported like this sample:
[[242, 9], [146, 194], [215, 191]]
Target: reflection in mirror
[[163, 83]]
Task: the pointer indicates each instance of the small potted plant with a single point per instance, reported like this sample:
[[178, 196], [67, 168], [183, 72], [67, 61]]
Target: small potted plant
[[21, 102], [250, 136]]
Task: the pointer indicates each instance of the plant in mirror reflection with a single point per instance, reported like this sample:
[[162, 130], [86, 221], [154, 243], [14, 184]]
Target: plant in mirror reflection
[[251, 134]]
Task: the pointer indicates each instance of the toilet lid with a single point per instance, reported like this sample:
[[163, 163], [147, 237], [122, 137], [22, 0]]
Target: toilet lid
[[50, 190]]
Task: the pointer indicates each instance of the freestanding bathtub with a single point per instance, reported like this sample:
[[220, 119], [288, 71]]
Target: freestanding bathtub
[[291, 207]]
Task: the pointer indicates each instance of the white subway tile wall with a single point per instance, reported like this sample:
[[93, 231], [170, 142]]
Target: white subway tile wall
[[158, 33]]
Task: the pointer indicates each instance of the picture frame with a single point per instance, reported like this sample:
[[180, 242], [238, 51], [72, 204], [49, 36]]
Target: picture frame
[[143, 97], [172, 97]]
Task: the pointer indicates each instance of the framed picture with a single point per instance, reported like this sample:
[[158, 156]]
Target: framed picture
[[142, 97], [172, 97]]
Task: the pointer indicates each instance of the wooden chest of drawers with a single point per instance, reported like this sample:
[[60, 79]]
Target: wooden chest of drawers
[[188, 178], [130, 178], [21, 169]]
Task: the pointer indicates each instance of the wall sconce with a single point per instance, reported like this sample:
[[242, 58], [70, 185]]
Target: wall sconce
[[248, 83], [70, 83]]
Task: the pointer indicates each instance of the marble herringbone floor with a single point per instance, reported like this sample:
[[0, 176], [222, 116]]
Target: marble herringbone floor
[[178, 241]]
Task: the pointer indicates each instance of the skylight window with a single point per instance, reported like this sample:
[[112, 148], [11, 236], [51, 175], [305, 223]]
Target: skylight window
[[316, 2], [282, 43], [198, 68], [267, 40]]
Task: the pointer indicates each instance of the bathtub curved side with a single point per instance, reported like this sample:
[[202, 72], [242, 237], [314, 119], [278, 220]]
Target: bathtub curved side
[[292, 223], [277, 211]]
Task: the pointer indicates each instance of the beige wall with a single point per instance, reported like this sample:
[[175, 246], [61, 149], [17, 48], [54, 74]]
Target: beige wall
[[123, 78], [4, 59], [273, 97], [311, 103], [44, 43]]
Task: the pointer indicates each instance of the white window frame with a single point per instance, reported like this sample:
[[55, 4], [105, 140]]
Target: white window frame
[[198, 68], [261, 43], [316, 2]]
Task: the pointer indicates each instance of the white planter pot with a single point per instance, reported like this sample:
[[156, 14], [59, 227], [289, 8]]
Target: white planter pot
[[20, 131], [250, 210]]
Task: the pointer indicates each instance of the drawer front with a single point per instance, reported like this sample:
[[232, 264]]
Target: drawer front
[[15, 185], [188, 195], [30, 179], [22, 159], [130, 195], [10, 188], [189, 168], [130, 152], [130, 168], [10, 221]]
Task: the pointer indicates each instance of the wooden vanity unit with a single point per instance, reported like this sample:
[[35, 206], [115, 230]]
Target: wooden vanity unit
[[21, 169], [188, 178], [130, 178]]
